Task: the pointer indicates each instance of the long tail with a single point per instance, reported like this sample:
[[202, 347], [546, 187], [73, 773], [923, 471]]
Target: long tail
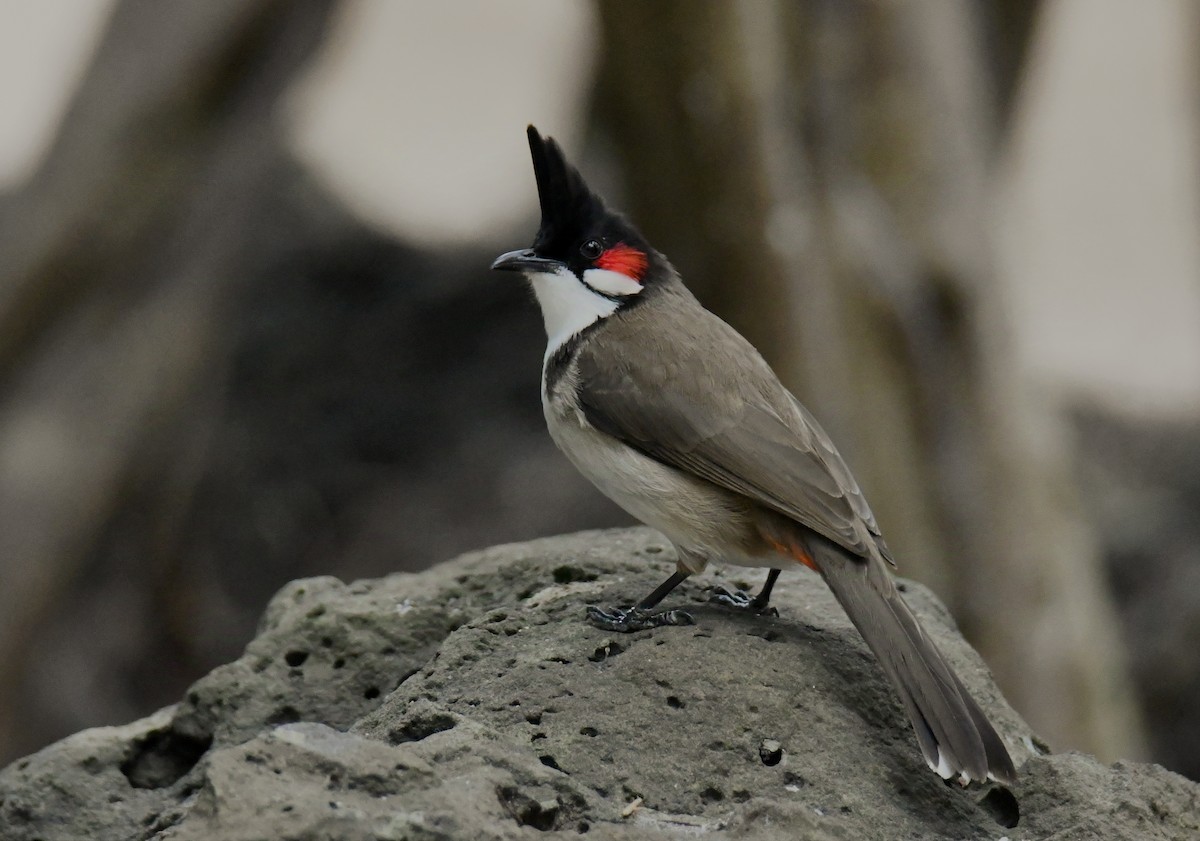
[[955, 736]]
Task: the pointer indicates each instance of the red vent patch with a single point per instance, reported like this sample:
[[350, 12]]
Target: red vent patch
[[624, 259]]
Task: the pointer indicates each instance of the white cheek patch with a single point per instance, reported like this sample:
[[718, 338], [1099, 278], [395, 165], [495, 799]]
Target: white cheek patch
[[611, 283], [567, 305]]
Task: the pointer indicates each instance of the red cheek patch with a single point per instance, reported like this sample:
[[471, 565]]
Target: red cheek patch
[[623, 259]]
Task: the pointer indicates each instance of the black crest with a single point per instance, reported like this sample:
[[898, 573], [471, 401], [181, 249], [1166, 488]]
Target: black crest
[[569, 207]]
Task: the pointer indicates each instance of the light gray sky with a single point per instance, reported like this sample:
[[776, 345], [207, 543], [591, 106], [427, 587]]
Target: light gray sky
[[415, 113]]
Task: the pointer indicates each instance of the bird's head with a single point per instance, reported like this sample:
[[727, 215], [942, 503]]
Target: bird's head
[[586, 261]]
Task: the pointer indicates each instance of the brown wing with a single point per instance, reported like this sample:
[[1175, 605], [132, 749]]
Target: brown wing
[[708, 404]]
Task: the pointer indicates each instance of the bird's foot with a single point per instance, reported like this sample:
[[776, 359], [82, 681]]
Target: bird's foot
[[740, 600], [626, 620]]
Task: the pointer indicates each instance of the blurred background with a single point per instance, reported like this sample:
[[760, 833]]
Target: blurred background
[[247, 330]]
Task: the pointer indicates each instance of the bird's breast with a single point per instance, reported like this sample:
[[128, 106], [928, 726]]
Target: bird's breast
[[708, 521]]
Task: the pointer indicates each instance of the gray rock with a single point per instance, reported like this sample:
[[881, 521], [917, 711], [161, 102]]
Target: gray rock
[[472, 702]]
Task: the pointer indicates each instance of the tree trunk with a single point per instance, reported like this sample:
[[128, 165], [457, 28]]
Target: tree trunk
[[873, 128]]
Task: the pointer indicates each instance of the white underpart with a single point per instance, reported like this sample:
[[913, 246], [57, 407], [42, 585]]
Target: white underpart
[[567, 305], [611, 283]]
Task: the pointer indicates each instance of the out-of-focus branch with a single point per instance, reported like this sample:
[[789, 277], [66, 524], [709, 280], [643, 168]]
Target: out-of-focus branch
[[1008, 28], [681, 110]]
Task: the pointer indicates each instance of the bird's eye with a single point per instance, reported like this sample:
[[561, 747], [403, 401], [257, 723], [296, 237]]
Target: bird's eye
[[591, 249]]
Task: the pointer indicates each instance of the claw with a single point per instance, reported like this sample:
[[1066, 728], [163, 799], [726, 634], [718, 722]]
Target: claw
[[730, 598], [739, 600], [625, 620]]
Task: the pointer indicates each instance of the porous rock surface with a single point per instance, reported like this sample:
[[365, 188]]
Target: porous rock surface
[[471, 701]]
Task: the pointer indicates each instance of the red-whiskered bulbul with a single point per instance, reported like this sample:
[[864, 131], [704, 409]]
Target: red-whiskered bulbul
[[678, 419]]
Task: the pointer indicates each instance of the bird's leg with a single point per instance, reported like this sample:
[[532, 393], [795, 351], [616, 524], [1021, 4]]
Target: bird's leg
[[741, 601], [639, 618]]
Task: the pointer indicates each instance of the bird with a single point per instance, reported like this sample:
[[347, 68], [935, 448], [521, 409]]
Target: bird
[[679, 420]]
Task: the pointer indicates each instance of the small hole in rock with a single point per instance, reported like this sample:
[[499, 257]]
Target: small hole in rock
[[161, 758], [371, 693], [526, 811], [548, 760], [568, 574], [1002, 806], [606, 650], [770, 752], [675, 703], [534, 718], [284, 715], [712, 795], [295, 658], [339, 662], [588, 731]]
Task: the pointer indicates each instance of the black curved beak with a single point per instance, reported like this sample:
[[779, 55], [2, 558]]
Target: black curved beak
[[525, 260]]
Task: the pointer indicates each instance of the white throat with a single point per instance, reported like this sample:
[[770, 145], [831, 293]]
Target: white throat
[[568, 306]]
